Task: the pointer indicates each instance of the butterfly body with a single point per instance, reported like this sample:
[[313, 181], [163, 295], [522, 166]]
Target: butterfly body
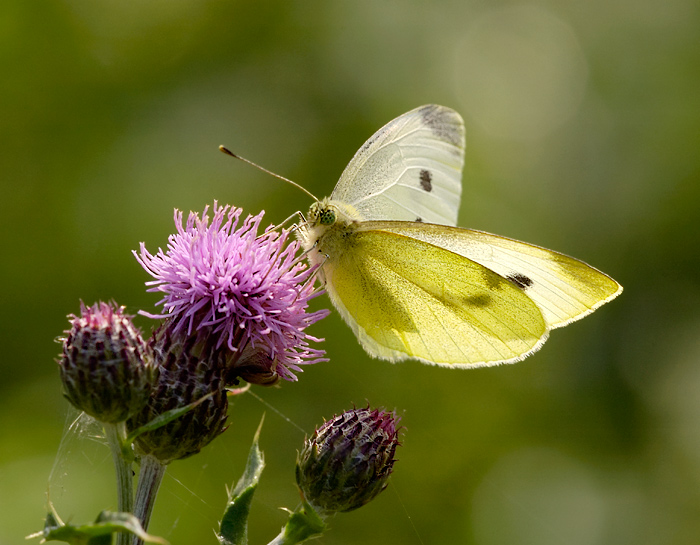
[[413, 285]]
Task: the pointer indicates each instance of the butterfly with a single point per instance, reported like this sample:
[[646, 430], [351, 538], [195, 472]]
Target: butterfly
[[412, 285]]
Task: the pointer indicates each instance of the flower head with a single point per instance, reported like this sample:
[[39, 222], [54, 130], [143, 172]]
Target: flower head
[[236, 289], [348, 460], [107, 368]]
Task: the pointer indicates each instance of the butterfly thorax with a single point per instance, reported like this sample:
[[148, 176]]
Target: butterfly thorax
[[327, 229]]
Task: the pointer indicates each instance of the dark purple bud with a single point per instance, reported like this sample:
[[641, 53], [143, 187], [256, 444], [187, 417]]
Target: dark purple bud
[[106, 367], [348, 460], [187, 374]]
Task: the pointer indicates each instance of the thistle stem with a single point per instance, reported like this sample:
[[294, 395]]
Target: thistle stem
[[279, 540], [150, 477], [303, 524], [116, 433]]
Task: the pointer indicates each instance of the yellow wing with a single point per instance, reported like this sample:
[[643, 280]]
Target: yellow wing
[[405, 298], [565, 289]]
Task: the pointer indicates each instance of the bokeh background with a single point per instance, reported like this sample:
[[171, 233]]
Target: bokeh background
[[583, 130]]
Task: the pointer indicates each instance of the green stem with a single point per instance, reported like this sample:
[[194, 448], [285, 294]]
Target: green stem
[[116, 433], [150, 477], [303, 524]]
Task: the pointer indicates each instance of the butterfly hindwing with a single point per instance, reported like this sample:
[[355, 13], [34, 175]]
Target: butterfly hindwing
[[410, 169], [565, 289], [406, 298]]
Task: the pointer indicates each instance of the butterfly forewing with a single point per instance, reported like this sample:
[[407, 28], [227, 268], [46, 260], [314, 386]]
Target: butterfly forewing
[[410, 169], [406, 298], [565, 289]]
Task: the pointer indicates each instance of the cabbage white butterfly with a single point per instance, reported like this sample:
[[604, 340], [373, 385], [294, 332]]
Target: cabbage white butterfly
[[410, 283]]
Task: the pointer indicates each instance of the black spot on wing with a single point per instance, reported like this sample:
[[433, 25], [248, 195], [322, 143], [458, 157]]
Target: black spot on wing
[[418, 219], [426, 180], [520, 280], [461, 305], [449, 132], [493, 280], [481, 300]]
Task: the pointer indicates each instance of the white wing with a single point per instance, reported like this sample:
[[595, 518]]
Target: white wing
[[565, 289], [409, 170]]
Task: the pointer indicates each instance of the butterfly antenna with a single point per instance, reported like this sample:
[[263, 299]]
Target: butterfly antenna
[[229, 152]]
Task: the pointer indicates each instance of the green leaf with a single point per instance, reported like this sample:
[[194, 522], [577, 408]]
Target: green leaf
[[234, 523], [98, 533]]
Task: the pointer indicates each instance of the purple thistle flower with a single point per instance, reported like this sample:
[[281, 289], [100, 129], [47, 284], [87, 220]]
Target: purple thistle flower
[[235, 289]]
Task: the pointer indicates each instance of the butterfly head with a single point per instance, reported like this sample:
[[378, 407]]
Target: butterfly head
[[322, 213], [328, 212]]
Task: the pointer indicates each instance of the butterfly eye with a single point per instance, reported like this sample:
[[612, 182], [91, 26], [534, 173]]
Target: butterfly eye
[[326, 217]]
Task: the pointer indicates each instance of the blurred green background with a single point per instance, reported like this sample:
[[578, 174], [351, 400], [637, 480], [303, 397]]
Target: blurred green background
[[583, 133]]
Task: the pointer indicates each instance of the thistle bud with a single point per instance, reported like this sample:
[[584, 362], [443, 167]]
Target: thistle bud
[[348, 460], [107, 368], [189, 371]]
